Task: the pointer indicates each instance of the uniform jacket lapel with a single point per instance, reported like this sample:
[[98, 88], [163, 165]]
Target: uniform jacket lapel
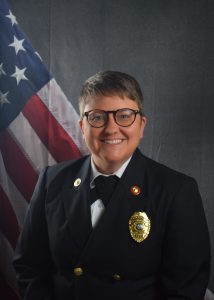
[[122, 205], [74, 229], [74, 208]]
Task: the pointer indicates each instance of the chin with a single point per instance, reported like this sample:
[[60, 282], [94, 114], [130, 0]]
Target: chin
[[115, 160]]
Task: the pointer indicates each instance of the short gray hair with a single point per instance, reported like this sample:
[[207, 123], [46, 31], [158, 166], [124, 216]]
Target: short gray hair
[[109, 83]]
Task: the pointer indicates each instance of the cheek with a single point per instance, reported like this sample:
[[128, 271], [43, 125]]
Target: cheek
[[90, 135], [84, 129], [137, 132]]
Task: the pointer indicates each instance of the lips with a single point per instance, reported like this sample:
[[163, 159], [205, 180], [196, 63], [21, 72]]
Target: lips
[[113, 142]]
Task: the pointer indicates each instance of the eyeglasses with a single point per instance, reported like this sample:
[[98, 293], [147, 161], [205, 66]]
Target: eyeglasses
[[123, 117]]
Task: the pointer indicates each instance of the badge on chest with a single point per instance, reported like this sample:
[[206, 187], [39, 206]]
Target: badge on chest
[[139, 226]]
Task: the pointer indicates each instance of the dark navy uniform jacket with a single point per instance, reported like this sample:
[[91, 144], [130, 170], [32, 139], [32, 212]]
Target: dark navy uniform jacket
[[59, 256]]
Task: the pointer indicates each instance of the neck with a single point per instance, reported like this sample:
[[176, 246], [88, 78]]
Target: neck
[[111, 168], [107, 169]]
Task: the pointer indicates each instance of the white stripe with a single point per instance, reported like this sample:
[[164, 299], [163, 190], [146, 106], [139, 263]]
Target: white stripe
[[55, 100], [17, 201], [30, 143], [6, 257]]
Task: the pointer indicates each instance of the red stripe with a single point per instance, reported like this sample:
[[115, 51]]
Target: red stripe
[[52, 134], [17, 165], [8, 222]]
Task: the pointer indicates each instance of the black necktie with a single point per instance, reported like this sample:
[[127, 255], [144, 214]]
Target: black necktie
[[104, 187]]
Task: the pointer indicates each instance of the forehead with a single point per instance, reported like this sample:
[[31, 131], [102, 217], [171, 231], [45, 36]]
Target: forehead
[[112, 102]]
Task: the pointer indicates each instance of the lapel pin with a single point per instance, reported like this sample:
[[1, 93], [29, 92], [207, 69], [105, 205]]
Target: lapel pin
[[77, 182], [139, 226], [135, 190]]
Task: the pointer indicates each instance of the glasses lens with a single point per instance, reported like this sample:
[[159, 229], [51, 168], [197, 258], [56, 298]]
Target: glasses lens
[[97, 118], [125, 117]]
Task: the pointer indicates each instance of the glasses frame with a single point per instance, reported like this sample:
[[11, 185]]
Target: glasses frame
[[114, 112]]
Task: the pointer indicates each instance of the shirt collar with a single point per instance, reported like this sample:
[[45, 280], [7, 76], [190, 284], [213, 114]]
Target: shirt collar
[[95, 172]]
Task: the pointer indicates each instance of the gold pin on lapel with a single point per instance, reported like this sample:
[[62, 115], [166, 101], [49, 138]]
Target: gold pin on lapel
[[135, 190], [139, 226], [77, 182]]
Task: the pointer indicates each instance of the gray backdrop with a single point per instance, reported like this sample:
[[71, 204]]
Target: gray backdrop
[[167, 45]]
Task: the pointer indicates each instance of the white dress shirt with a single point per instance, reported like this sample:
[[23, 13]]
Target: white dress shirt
[[98, 208]]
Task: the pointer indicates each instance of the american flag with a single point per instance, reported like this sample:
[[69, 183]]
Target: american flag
[[38, 127]]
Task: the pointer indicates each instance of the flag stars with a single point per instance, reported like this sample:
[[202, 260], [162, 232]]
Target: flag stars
[[2, 72], [17, 44], [3, 99], [19, 74], [12, 18]]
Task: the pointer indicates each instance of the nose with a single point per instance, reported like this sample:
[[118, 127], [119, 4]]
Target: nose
[[111, 126]]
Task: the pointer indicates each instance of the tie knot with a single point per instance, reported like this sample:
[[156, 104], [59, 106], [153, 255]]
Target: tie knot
[[106, 180], [105, 186]]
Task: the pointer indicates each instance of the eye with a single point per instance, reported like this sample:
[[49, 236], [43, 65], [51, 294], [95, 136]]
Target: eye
[[124, 115], [96, 117]]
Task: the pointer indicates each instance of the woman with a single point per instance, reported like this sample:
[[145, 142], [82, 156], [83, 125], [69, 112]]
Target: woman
[[147, 240]]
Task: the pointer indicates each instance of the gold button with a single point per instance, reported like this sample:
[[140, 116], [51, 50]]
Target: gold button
[[78, 271], [116, 277], [77, 182]]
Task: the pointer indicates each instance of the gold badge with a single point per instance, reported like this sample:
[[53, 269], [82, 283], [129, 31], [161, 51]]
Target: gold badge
[[77, 182], [135, 190], [139, 226]]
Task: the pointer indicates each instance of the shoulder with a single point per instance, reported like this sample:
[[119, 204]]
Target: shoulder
[[161, 175], [61, 171]]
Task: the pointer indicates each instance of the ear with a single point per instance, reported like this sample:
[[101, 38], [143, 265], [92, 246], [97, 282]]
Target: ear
[[143, 125], [81, 126]]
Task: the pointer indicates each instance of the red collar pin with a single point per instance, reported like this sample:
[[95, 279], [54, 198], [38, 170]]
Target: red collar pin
[[135, 190]]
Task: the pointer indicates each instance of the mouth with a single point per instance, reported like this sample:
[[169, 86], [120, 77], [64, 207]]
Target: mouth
[[113, 141]]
